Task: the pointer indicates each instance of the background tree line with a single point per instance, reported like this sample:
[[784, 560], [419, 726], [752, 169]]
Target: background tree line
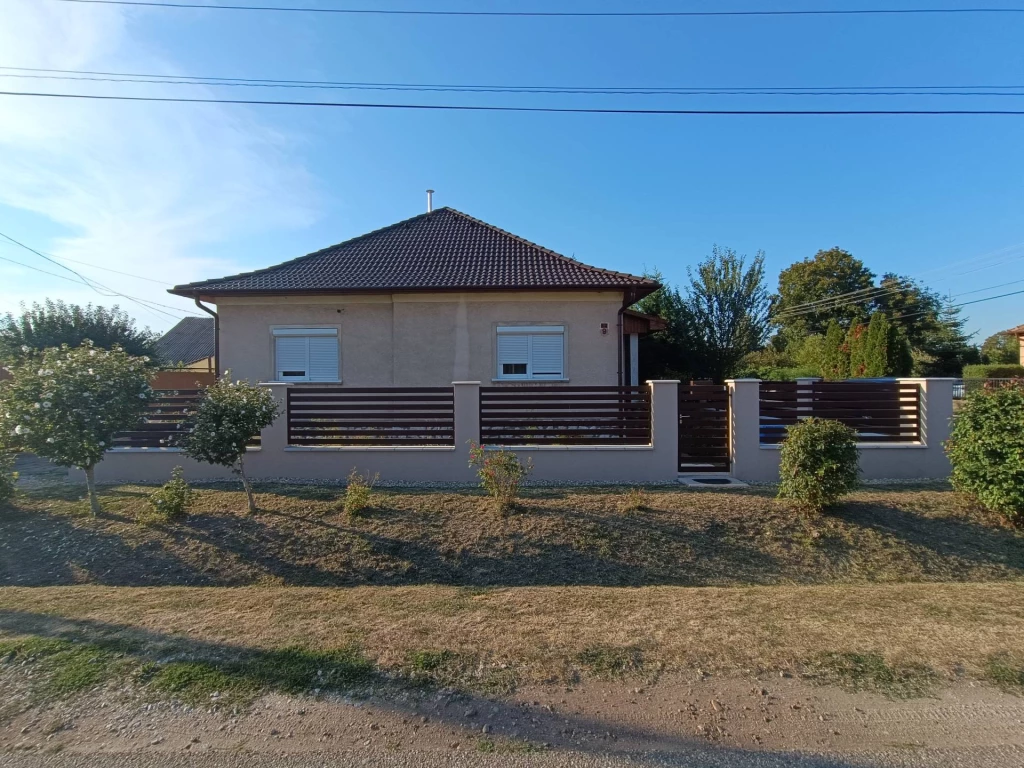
[[830, 316]]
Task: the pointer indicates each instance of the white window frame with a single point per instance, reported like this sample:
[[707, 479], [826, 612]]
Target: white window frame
[[306, 333], [529, 331]]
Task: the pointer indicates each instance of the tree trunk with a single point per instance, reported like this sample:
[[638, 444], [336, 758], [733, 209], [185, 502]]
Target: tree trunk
[[248, 488], [90, 483]]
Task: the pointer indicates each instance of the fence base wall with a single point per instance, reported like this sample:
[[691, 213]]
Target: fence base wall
[[925, 460]]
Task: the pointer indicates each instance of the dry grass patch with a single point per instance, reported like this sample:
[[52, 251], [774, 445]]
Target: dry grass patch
[[495, 640], [557, 537]]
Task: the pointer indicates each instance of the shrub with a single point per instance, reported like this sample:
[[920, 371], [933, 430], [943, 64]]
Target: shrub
[[818, 463], [172, 500], [229, 416], [635, 500], [986, 449], [993, 371], [501, 473], [8, 477], [358, 493]]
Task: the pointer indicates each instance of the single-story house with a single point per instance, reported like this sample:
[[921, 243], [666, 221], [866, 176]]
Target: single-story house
[[437, 298], [189, 345]]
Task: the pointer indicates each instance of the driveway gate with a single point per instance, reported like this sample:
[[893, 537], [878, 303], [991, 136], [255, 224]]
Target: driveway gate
[[703, 428]]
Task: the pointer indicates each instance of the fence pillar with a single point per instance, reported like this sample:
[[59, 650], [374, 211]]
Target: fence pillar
[[467, 414], [275, 437], [665, 428], [804, 397], [748, 460]]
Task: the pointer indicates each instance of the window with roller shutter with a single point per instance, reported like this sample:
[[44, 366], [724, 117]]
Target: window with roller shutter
[[306, 354], [531, 352]]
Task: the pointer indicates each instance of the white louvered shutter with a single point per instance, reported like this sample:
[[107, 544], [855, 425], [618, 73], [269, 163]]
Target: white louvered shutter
[[546, 356], [513, 356], [292, 356], [323, 358]]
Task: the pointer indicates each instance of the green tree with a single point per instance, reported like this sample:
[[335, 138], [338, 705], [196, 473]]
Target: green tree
[[1001, 349], [857, 344], [947, 348], [835, 359], [817, 290], [67, 404], [229, 416], [909, 306], [53, 323], [668, 353], [729, 307], [886, 352]]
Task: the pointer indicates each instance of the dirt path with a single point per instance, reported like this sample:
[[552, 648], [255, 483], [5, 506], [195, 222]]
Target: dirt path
[[750, 722]]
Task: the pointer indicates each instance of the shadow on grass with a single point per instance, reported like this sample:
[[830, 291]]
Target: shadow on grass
[[222, 675]]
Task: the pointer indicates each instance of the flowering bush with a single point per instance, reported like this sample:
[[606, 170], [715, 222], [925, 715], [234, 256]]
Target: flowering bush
[[501, 473], [8, 477], [67, 404], [986, 448], [229, 416], [171, 500]]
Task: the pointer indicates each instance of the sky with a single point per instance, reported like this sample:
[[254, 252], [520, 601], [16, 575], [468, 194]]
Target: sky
[[170, 193]]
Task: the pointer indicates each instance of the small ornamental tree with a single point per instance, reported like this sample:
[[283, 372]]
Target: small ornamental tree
[[229, 416], [986, 449], [835, 357], [67, 404], [818, 463]]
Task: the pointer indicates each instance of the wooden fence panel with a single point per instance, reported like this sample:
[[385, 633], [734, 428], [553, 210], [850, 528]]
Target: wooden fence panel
[[879, 411], [549, 415], [413, 416]]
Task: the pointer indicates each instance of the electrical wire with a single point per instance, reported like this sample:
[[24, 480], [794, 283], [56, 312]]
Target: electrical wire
[[96, 286], [508, 108], [1002, 91], [538, 88], [549, 14]]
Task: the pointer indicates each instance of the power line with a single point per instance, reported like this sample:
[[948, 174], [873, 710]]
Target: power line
[[998, 90], [88, 285], [507, 108], [551, 14], [98, 287], [115, 271], [498, 87]]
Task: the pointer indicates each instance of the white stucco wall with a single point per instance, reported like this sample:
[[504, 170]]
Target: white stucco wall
[[423, 339]]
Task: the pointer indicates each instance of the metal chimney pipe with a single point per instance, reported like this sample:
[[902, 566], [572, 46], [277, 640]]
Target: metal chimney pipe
[[430, 200]]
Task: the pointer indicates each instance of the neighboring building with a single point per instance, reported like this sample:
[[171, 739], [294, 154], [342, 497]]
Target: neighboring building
[[437, 298], [189, 344], [1019, 333]]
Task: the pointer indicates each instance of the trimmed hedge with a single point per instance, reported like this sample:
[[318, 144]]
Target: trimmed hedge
[[993, 372], [818, 463]]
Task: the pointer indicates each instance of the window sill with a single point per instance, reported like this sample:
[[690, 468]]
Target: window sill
[[527, 381], [298, 383]]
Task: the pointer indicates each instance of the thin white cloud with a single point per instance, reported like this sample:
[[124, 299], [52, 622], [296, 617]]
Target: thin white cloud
[[144, 188]]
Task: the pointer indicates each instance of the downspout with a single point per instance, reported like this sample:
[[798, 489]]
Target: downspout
[[216, 336], [619, 330]]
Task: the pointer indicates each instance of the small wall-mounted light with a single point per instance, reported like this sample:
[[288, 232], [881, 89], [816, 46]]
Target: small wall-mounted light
[[604, 329]]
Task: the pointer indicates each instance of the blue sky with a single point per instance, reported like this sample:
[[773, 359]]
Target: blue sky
[[181, 192]]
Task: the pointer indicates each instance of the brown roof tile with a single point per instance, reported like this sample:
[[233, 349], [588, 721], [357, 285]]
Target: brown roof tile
[[437, 251]]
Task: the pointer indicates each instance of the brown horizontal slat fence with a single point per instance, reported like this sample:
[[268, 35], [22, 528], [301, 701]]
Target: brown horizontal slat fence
[[164, 421], [879, 411], [538, 415], [371, 416], [703, 428]]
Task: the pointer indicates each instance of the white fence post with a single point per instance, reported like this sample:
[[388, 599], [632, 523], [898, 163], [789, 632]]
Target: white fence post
[[275, 437], [467, 414], [665, 428], [748, 461]]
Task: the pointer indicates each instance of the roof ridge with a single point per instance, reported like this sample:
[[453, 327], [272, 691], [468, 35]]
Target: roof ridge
[[542, 248]]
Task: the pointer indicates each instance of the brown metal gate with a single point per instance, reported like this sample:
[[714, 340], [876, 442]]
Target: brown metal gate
[[703, 428]]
